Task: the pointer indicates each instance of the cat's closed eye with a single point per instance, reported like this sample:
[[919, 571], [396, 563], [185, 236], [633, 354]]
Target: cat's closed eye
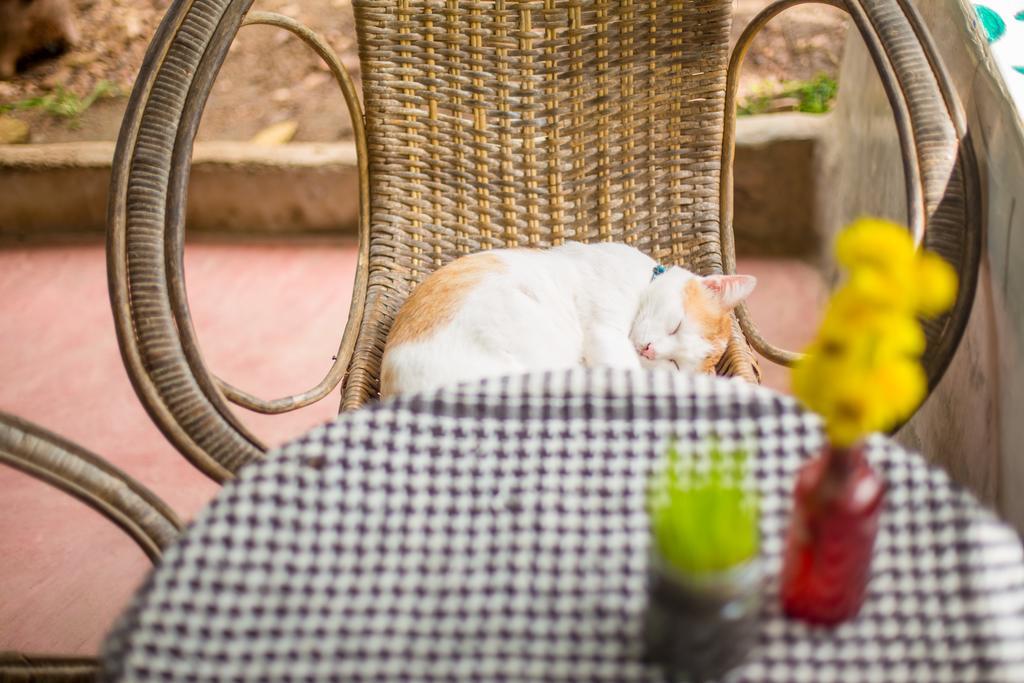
[[676, 331]]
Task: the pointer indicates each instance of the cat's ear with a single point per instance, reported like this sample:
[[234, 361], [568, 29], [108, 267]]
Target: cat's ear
[[729, 290]]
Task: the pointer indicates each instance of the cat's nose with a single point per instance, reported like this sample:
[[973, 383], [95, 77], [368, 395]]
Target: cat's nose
[[647, 351]]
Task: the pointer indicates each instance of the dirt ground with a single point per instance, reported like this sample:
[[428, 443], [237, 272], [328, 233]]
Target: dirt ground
[[270, 77]]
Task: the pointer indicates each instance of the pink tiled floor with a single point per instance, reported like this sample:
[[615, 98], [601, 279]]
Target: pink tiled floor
[[269, 319]]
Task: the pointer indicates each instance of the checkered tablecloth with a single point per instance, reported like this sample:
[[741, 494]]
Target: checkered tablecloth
[[496, 531]]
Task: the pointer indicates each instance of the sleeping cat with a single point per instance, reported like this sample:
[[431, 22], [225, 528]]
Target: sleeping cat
[[511, 311]]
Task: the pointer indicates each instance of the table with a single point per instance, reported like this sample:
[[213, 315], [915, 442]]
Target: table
[[496, 531]]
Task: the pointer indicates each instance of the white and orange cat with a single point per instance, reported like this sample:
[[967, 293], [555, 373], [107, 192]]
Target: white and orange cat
[[511, 311]]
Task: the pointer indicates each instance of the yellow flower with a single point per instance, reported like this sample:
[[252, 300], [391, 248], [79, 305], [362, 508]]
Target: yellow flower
[[903, 383], [936, 285], [862, 371], [849, 309], [854, 325], [848, 425], [852, 408], [899, 335], [876, 243], [883, 289], [806, 379], [885, 270]]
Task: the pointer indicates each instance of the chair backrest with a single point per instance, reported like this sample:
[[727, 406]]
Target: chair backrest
[[527, 123], [503, 123]]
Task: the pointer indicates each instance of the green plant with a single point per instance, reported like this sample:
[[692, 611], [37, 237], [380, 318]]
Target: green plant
[[63, 103], [814, 96], [703, 516]]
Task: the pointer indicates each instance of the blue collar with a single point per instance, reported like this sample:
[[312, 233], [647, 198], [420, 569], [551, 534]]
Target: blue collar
[[657, 270]]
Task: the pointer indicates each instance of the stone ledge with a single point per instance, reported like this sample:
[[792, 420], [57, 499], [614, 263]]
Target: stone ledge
[[777, 197], [59, 191]]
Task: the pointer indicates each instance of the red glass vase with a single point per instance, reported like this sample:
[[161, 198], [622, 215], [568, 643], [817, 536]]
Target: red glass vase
[[825, 571]]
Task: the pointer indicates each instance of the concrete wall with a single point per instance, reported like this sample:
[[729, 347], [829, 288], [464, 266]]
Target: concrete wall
[[235, 189], [973, 423], [59, 191], [775, 185]]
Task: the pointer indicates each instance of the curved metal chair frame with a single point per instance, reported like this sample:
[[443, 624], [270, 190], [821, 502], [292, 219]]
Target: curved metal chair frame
[[101, 486], [510, 124]]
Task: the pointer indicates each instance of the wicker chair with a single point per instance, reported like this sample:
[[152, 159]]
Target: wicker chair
[[494, 124], [101, 486]]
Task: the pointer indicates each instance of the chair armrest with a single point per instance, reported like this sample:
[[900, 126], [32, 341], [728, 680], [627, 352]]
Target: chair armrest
[[86, 476], [940, 170], [16, 667], [103, 487], [146, 236]]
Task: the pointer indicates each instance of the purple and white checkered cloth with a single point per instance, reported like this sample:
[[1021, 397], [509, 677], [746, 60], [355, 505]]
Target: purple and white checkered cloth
[[496, 531]]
